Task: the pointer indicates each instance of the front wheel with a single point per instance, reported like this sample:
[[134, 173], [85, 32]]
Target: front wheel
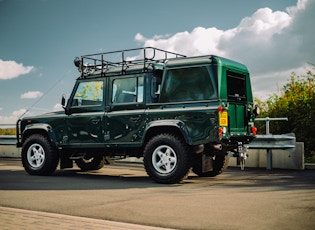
[[166, 159], [39, 156]]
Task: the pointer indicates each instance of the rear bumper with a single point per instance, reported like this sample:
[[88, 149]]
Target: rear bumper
[[234, 142]]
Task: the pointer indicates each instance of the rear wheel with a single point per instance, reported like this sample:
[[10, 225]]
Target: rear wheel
[[92, 162], [220, 162], [166, 159], [39, 156]]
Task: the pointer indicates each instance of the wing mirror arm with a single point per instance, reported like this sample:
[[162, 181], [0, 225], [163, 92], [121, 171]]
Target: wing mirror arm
[[63, 103]]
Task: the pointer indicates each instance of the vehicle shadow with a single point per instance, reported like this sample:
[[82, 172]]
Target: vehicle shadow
[[72, 180], [124, 176], [261, 180]]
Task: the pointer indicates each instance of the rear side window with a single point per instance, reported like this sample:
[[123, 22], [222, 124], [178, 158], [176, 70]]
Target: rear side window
[[127, 90], [236, 86], [187, 84]]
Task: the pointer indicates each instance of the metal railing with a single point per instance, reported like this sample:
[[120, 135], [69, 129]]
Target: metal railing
[[268, 119], [7, 125], [7, 140]]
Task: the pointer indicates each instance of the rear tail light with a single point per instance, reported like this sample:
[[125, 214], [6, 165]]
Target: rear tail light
[[254, 130], [221, 130], [220, 109]]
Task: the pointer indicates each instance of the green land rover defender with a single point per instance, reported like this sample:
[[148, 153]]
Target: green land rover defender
[[177, 112]]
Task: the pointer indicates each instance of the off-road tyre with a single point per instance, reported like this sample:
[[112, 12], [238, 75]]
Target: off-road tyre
[[166, 158], [94, 162], [39, 156], [220, 163]]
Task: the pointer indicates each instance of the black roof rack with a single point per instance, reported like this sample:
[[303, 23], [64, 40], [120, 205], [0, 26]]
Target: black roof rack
[[122, 60]]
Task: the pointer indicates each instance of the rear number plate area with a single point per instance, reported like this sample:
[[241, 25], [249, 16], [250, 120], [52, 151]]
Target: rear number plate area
[[223, 118]]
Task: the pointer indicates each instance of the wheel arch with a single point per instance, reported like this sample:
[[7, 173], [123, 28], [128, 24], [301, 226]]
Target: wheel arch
[[39, 128], [176, 127]]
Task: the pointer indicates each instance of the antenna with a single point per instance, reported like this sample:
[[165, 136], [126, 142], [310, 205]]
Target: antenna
[[50, 89]]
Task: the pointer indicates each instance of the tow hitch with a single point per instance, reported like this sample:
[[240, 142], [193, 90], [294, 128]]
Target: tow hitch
[[241, 153]]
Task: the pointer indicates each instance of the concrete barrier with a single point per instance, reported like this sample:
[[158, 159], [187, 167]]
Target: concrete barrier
[[7, 146], [9, 151]]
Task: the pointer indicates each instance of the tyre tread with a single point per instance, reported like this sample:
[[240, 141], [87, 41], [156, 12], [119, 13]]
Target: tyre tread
[[184, 165], [51, 156]]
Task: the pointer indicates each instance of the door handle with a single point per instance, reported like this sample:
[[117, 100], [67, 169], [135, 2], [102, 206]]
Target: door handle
[[135, 119], [95, 121]]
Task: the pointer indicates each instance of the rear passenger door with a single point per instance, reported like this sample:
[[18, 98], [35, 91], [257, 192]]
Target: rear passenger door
[[125, 118]]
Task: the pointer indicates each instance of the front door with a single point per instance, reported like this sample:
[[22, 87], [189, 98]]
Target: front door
[[85, 122]]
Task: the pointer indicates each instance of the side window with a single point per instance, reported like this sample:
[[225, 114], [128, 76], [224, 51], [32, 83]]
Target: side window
[[127, 90], [88, 93], [188, 84], [236, 86]]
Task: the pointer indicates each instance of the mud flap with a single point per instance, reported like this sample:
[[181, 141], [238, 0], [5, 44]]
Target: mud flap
[[207, 163], [65, 161]]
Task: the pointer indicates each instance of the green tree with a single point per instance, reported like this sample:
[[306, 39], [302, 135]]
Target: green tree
[[296, 101], [10, 131]]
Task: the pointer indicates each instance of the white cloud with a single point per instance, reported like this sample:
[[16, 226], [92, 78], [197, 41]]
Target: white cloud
[[139, 37], [264, 85], [31, 95], [11, 69], [271, 43], [13, 117], [274, 41], [57, 107]]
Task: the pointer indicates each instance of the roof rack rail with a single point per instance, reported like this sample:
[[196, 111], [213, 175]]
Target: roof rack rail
[[122, 60]]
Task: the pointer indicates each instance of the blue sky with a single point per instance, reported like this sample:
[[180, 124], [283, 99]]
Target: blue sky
[[40, 38]]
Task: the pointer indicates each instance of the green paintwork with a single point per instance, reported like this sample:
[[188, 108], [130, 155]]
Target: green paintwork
[[187, 100]]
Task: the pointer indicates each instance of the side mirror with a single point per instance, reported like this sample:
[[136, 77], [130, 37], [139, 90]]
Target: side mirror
[[63, 101]]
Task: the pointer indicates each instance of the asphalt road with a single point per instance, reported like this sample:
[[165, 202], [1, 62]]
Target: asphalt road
[[250, 199]]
